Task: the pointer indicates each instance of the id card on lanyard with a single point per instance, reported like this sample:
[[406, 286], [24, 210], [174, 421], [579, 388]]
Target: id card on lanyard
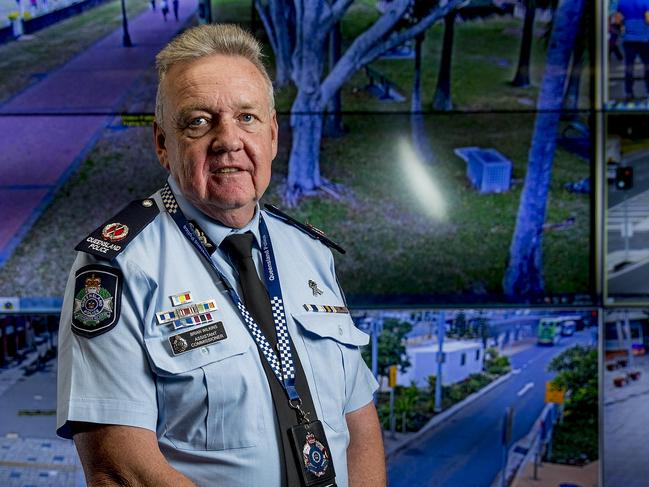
[[308, 439]]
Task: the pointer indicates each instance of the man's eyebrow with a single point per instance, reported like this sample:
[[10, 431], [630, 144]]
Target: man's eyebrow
[[194, 107], [249, 106]]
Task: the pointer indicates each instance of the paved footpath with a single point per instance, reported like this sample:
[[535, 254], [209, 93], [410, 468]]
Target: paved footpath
[[30, 453], [48, 128], [626, 427]]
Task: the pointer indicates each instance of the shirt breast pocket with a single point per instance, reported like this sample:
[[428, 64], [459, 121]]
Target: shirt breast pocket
[[331, 340], [208, 398]]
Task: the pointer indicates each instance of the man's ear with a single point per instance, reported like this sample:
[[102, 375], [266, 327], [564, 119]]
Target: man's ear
[[160, 146], [274, 130]]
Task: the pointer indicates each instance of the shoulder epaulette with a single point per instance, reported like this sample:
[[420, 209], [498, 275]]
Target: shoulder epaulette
[[305, 227], [111, 238]]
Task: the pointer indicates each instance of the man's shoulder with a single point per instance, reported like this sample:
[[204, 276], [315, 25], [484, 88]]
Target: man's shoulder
[[110, 239], [302, 229]]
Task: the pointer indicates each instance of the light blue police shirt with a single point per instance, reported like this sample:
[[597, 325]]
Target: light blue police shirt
[[211, 407]]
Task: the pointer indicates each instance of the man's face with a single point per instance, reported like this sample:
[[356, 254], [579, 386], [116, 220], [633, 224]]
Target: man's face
[[218, 135]]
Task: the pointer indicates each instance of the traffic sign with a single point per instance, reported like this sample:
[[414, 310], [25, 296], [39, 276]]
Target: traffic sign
[[553, 393], [392, 379]]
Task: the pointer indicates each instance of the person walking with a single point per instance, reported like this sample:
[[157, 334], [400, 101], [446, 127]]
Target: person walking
[[633, 16], [165, 9], [174, 4]]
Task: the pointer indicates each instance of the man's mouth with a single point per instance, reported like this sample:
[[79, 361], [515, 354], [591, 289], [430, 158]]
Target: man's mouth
[[226, 170]]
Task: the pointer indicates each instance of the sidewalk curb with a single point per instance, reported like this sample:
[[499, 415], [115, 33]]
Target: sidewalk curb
[[517, 461], [444, 415]]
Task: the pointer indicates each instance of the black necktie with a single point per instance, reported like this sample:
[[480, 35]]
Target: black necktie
[[255, 297]]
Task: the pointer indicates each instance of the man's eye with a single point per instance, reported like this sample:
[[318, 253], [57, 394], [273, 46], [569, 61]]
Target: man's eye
[[247, 118], [197, 122]]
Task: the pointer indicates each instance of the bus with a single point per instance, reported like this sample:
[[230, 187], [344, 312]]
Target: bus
[[549, 331]]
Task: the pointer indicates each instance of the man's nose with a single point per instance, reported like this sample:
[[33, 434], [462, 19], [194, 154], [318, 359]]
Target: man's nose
[[226, 136]]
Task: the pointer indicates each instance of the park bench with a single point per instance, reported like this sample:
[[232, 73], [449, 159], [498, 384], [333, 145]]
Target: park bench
[[381, 87]]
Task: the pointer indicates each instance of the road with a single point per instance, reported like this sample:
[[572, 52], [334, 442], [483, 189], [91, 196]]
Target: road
[[465, 451]]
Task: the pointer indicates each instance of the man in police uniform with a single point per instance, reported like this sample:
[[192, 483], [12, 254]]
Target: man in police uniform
[[164, 375]]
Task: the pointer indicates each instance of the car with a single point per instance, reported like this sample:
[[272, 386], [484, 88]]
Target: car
[[568, 328]]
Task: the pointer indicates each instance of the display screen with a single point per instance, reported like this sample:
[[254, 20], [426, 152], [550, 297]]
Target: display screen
[[627, 214], [427, 197]]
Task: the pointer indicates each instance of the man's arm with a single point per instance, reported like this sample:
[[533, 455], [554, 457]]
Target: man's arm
[[123, 456], [365, 455]]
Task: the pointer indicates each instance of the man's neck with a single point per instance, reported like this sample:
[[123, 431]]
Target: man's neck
[[235, 218]]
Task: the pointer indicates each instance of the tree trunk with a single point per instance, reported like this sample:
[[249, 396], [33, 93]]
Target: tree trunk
[[304, 163], [522, 76], [442, 100], [571, 101], [524, 274], [278, 19], [283, 16], [334, 125], [419, 136], [307, 112]]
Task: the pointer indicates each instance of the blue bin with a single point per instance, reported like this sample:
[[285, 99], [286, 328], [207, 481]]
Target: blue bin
[[487, 169]]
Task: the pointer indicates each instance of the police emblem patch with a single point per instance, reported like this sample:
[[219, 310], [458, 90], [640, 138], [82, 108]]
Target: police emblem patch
[[315, 456], [97, 300], [114, 232]]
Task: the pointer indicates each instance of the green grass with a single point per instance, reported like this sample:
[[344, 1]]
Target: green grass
[[22, 61]]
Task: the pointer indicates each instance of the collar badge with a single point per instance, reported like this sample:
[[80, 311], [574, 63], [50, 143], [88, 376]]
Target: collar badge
[[314, 287]]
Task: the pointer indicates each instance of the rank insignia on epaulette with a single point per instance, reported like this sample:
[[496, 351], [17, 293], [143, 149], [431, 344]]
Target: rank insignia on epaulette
[[110, 239], [307, 228], [114, 232], [97, 300]]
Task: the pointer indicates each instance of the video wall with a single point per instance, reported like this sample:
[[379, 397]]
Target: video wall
[[487, 159]]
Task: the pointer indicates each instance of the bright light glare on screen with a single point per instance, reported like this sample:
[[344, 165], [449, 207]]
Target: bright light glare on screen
[[420, 181]]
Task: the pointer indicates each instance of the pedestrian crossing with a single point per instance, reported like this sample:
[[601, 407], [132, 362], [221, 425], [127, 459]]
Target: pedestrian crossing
[[630, 216]]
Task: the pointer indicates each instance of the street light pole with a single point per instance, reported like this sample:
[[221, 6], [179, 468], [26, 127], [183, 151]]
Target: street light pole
[[126, 38], [441, 322]]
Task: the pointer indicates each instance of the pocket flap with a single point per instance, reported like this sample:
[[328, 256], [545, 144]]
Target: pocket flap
[[162, 357], [339, 327]]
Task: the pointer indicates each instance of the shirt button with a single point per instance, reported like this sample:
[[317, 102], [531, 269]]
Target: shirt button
[[204, 351], [340, 330]]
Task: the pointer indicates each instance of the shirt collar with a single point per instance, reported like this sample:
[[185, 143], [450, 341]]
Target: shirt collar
[[215, 230]]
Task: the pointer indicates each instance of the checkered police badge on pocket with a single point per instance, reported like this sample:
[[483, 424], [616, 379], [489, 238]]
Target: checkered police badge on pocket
[[97, 300]]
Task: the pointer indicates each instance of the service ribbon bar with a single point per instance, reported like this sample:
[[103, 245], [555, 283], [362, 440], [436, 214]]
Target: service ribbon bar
[[324, 308], [181, 298], [166, 317], [201, 319]]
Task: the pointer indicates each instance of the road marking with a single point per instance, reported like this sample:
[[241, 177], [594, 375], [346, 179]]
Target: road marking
[[516, 371], [525, 388]]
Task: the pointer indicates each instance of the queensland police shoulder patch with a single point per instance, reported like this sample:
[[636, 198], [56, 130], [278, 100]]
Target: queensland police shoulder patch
[[111, 238], [97, 300]]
